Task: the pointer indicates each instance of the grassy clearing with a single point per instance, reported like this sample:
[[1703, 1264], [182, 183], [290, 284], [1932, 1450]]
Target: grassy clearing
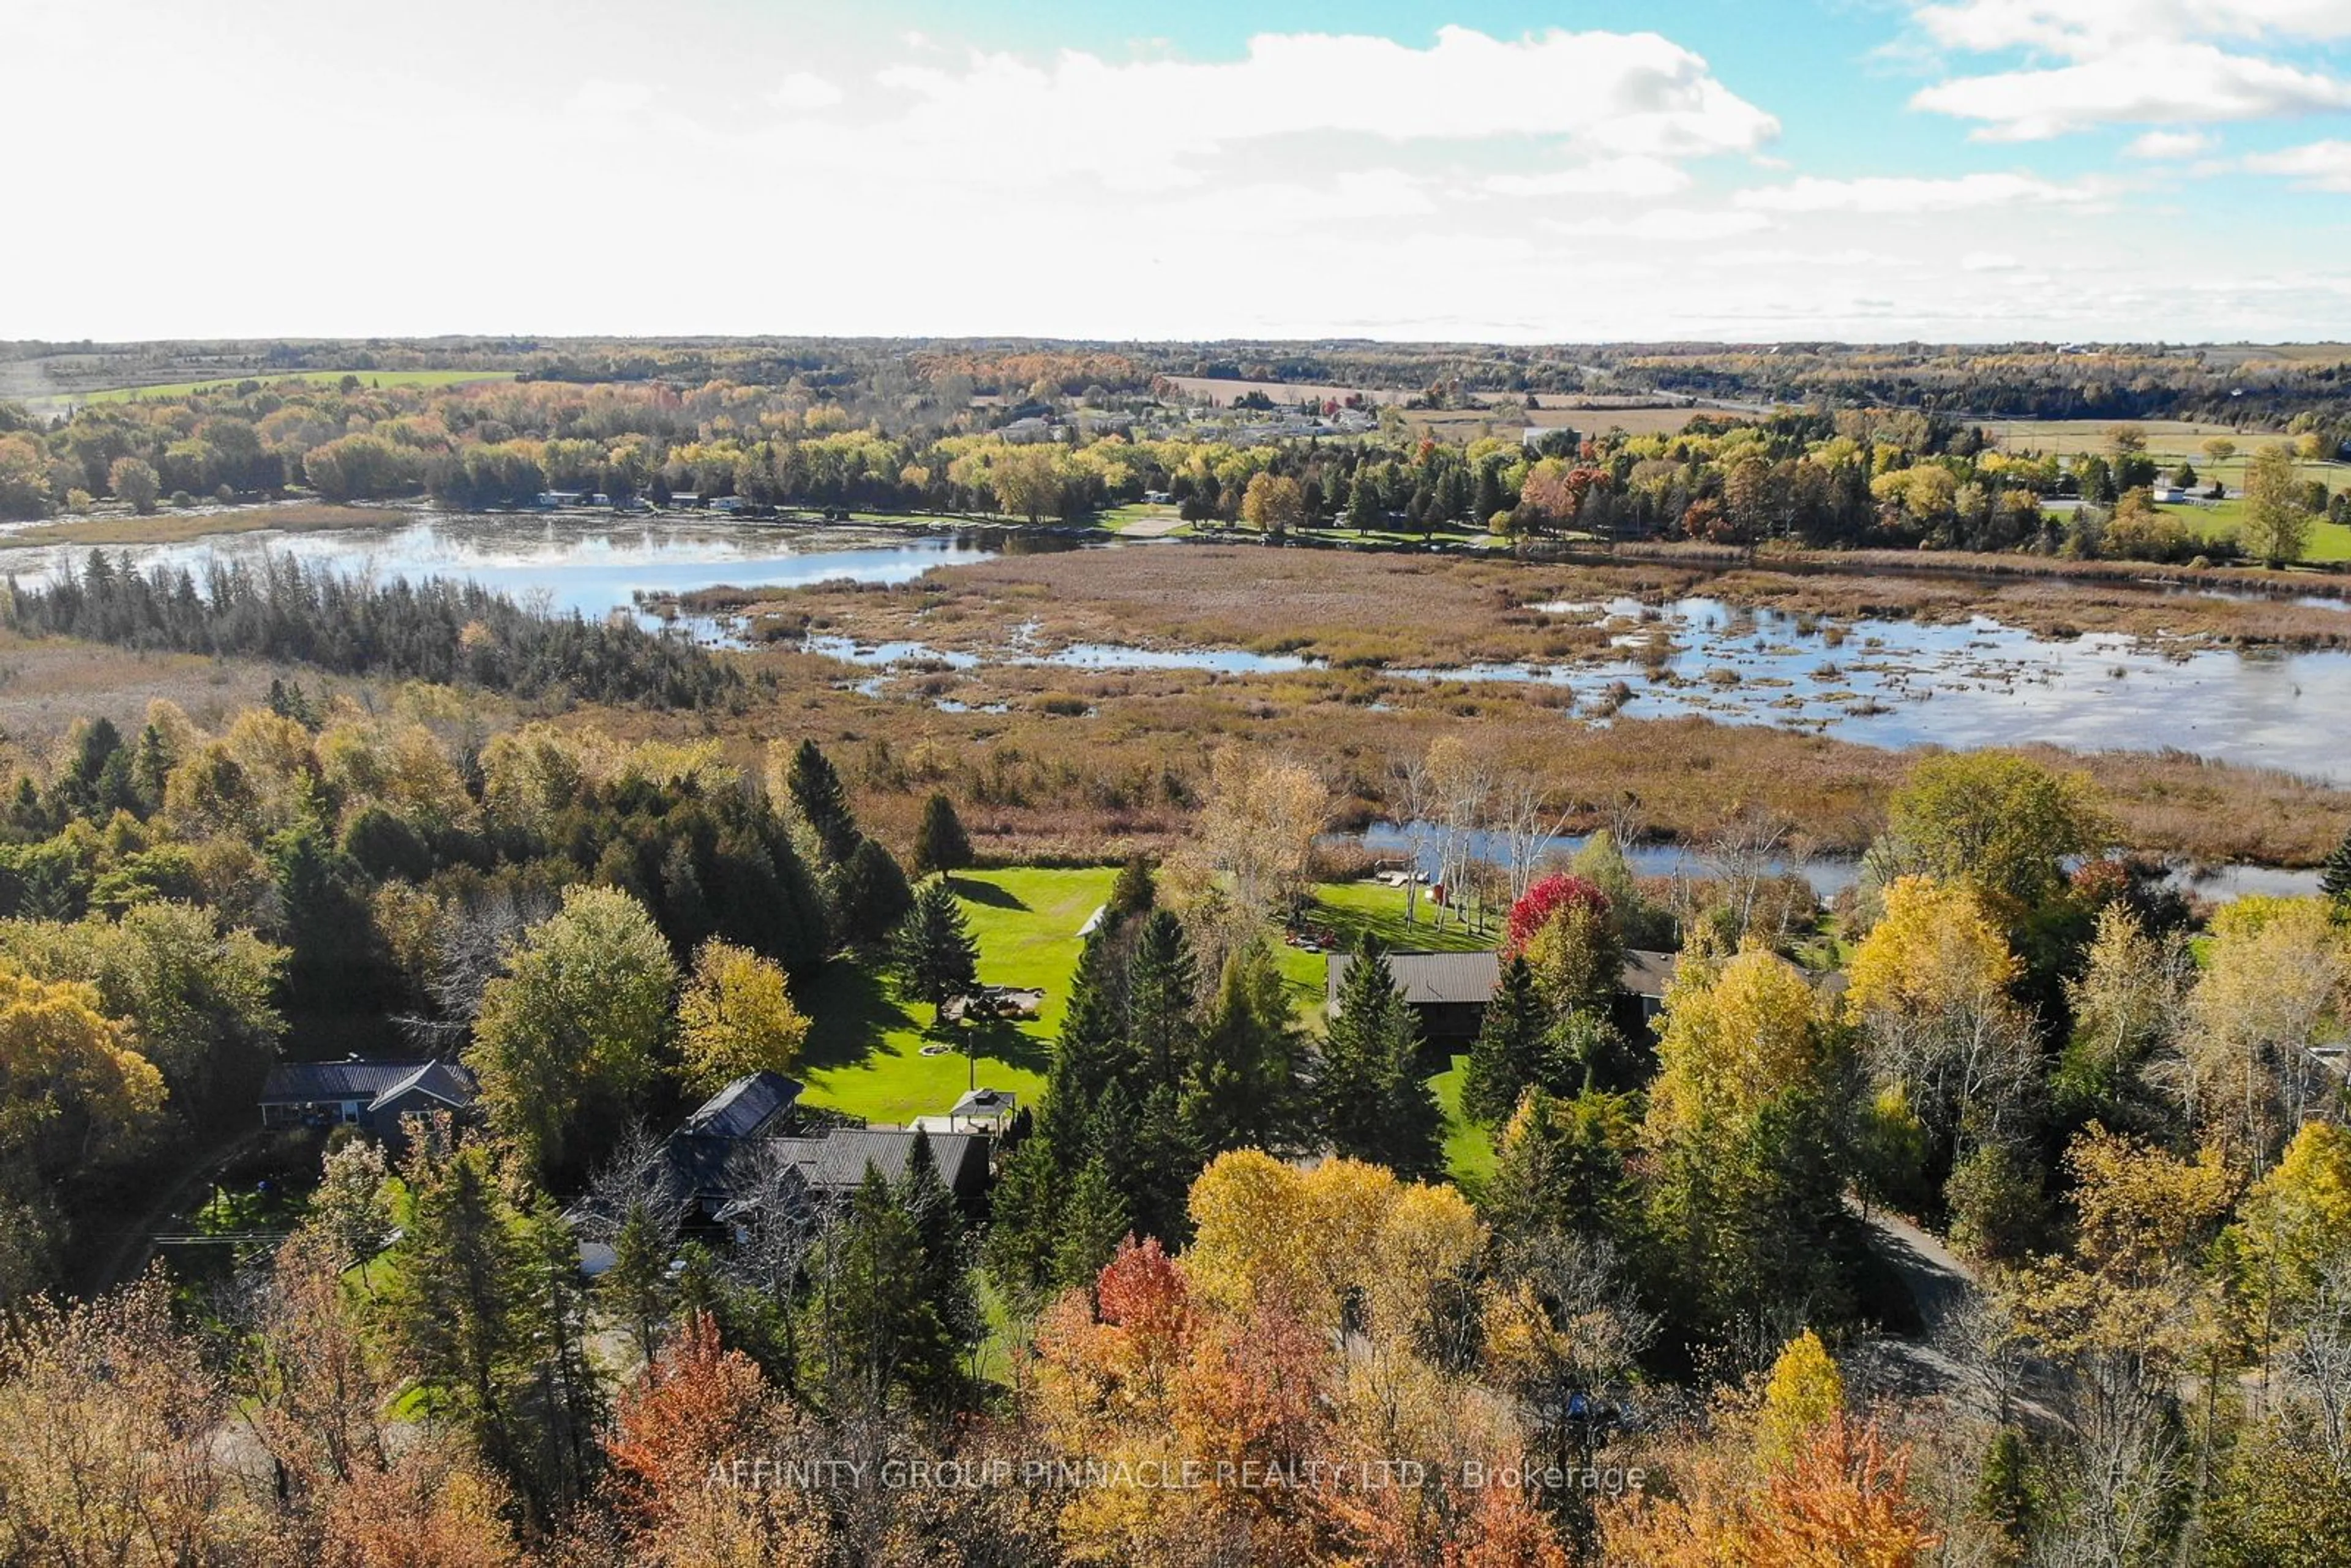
[[2329, 542], [370, 378], [177, 528], [1353, 909], [864, 1051], [1143, 519]]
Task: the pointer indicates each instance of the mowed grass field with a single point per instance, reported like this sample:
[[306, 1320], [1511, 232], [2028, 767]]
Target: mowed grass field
[[1351, 908], [2329, 542], [864, 1050], [321, 378]]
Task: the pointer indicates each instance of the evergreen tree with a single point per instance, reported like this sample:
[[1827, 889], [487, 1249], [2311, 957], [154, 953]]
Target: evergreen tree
[[1133, 893], [1562, 1167], [1093, 1051], [947, 1257], [484, 1304], [1372, 1100], [941, 845], [565, 1399], [150, 768], [1584, 1051], [1161, 978], [871, 1325], [636, 1285], [1091, 1227], [934, 950], [870, 895], [1241, 1090], [1508, 1054], [1024, 1226], [822, 803], [2334, 880], [1155, 1167]]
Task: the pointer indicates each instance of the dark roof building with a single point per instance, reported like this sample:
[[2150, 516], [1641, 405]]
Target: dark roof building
[[722, 1177], [372, 1095], [750, 1105], [1449, 991]]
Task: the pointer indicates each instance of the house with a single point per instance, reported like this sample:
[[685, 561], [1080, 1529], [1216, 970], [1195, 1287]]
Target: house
[[752, 1145], [1449, 991], [727, 1181], [683, 498], [373, 1095]]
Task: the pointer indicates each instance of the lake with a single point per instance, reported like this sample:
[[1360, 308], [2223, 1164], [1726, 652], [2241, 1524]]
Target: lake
[[1878, 682], [1828, 874], [564, 564]]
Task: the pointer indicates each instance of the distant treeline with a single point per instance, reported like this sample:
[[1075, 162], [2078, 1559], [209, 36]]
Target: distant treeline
[[449, 632]]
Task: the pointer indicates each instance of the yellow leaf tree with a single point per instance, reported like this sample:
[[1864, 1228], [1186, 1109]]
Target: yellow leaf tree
[[735, 1017]]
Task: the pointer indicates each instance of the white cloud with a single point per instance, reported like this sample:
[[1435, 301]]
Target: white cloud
[[2132, 62], [2169, 145], [1989, 261], [2316, 165], [1151, 121], [2075, 28], [1665, 225], [804, 90], [1635, 176], [1903, 194], [2133, 85], [598, 96]]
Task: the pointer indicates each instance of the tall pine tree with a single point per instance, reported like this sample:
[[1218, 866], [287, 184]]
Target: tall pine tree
[[1372, 1101], [1508, 1054]]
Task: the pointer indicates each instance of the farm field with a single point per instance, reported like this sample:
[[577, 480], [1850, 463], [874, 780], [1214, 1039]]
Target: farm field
[[323, 378]]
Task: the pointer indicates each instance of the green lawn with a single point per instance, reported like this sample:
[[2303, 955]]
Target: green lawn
[[1351, 908], [2215, 519], [864, 1048], [323, 378]]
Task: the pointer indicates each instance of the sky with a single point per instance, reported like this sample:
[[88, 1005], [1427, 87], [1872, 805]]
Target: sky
[[1579, 171]]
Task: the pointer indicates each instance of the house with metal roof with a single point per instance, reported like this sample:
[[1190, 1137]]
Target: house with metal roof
[[373, 1095], [1449, 991]]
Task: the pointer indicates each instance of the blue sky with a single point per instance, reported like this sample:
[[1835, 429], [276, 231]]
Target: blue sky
[[1952, 170]]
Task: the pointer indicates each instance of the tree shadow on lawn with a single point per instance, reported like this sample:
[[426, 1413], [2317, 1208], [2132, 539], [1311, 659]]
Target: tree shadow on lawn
[[849, 1010], [1001, 1040], [972, 891]]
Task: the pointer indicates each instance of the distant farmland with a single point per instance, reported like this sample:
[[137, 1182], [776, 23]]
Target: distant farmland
[[321, 378]]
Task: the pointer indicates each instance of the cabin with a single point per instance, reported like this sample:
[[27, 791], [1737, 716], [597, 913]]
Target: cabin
[[1448, 991], [752, 1145], [728, 1182], [372, 1096]]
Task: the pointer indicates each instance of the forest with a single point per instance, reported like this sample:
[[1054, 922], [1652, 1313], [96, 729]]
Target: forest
[[1231, 1243], [1993, 1208], [908, 438]]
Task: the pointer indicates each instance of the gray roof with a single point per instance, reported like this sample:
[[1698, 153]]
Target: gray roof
[[447, 1082], [1428, 979], [744, 1107], [1439, 979], [375, 1082], [837, 1162], [719, 1169]]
